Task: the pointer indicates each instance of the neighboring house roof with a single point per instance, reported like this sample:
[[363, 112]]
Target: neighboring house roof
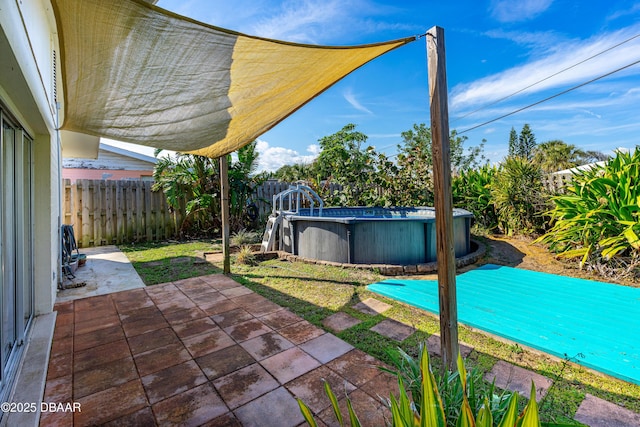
[[580, 168], [113, 158]]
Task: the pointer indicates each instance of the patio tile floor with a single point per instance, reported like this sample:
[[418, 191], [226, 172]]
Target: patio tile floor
[[202, 351]]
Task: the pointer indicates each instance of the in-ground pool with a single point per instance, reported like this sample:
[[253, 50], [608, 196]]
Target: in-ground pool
[[359, 235]]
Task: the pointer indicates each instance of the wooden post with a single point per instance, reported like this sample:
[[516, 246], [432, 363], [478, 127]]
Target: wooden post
[[224, 205], [443, 199]]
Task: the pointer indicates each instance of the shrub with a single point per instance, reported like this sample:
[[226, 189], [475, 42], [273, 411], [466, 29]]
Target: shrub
[[599, 214], [518, 197], [245, 237], [246, 256], [472, 191]]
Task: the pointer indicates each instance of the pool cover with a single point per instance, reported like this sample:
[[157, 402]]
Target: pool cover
[[595, 324]]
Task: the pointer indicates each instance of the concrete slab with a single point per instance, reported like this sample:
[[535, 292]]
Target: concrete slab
[[372, 306], [515, 378], [107, 270], [393, 329], [29, 386], [596, 412], [340, 321]]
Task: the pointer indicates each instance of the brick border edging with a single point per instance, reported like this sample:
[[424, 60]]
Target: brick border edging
[[385, 269]]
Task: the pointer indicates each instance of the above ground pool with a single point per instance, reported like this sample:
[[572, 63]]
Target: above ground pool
[[359, 235]]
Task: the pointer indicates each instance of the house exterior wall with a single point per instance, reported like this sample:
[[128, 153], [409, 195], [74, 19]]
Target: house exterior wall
[[108, 165], [27, 40], [30, 31], [76, 174]]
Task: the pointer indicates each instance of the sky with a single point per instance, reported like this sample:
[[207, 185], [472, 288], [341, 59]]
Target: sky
[[501, 56]]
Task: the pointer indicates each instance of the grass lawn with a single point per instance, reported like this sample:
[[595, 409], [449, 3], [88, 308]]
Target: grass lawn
[[315, 292]]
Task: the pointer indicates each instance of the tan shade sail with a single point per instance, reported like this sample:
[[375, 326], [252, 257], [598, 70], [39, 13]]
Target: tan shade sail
[[134, 72]]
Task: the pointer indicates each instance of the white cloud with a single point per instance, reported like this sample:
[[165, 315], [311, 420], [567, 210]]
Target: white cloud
[[565, 55], [351, 99], [273, 158], [518, 11]]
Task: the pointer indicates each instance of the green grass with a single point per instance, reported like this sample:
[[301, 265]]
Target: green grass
[[315, 292], [164, 262]]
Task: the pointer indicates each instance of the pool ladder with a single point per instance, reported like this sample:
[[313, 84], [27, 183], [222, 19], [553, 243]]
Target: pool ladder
[[274, 222]]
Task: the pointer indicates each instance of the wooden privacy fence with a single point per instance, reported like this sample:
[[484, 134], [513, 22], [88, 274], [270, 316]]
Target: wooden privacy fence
[[105, 212], [108, 212]]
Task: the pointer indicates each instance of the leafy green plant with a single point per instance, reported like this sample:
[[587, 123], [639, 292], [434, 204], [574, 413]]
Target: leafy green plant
[[472, 191], [450, 387], [430, 410], [518, 197], [599, 214]]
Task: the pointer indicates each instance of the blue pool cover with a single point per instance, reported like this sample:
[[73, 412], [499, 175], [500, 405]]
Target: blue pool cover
[[563, 316]]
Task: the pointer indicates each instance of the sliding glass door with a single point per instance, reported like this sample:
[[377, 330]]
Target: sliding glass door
[[16, 243]]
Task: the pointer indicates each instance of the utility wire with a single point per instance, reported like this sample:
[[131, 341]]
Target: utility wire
[[550, 97], [548, 77]]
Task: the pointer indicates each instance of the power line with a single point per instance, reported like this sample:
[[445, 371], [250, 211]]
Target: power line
[[550, 97], [548, 77]]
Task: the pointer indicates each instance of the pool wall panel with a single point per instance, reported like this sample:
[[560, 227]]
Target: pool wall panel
[[399, 236], [388, 242]]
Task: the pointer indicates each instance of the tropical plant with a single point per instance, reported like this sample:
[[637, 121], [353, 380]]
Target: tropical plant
[[557, 155], [192, 187], [472, 191], [599, 214], [242, 182], [518, 197], [430, 411], [450, 387]]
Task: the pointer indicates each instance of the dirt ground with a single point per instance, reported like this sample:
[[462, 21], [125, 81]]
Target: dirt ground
[[521, 252]]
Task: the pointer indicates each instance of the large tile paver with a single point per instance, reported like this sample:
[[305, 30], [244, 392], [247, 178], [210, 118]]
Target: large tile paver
[[326, 347], [225, 361], [289, 364], [266, 345], [277, 408], [515, 378], [596, 412], [370, 411], [356, 366], [372, 306], [110, 404], [185, 353], [393, 329], [310, 387], [340, 321], [194, 407], [301, 332], [244, 385], [172, 380], [207, 342]]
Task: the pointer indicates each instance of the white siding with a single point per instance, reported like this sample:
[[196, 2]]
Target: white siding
[[108, 160]]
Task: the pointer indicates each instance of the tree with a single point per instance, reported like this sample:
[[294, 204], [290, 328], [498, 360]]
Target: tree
[[242, 182], [192, 186], [526, 143], [557, 155], [513, 142], [343, 160]]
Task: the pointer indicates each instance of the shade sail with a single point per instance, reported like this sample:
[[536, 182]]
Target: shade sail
[[134, 72]]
